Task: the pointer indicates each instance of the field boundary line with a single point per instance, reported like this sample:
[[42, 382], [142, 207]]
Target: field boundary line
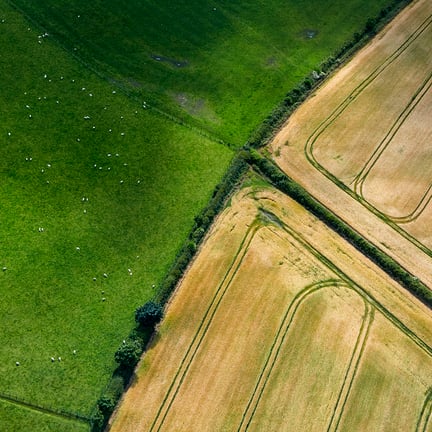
[[352, 367], [310, 142], [64, 414], [276, 347], [425, 413], [203, 327]]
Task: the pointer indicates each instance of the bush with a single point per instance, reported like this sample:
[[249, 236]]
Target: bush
[[106, 406], [149, 314], [98, 421], [128, 354]]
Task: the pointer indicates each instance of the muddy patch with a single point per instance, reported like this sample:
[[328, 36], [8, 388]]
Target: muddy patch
[[197, 107], [308, 33], [171, 61]]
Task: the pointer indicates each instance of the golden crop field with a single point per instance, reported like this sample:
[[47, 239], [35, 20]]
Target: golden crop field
[[279, 324], [361, 144]]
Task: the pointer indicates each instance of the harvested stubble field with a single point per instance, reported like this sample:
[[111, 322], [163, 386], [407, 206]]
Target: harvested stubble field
[[365, 137], [279, 324]]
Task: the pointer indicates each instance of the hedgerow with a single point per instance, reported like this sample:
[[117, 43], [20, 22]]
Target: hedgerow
[[261, 136], [286, 185]]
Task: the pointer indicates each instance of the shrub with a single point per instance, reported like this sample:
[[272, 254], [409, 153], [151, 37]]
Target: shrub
[[149, 314], [128, 354]]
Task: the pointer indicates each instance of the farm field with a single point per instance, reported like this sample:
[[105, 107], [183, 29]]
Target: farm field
[[365, 136], [219, 65], [118, 120], [90, 183], [279, 324]]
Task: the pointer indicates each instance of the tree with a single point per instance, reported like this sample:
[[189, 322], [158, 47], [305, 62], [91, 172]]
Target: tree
[[106, 405], [149, 314], [128, 354]]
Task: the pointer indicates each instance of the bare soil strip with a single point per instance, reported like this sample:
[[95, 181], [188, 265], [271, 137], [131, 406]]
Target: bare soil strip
[[275, 326], [361, 144]]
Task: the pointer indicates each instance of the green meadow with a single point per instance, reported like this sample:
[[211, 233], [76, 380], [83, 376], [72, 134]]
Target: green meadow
[[99, 190], [221, 65], [91, 183]]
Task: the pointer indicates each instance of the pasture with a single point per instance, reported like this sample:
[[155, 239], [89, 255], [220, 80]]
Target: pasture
[[91, 183], [219, 65], [365, 135], [278, 325]]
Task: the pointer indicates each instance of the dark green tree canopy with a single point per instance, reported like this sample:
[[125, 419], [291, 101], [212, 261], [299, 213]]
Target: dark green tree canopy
[[128, 354], [149, 314]]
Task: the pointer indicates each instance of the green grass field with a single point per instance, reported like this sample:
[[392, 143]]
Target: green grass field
[[78, 201], [221, 65], [16, 418]]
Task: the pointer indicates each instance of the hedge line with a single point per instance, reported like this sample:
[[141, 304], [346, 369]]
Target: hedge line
[[202, 223], [285, 184], [261, 136]]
